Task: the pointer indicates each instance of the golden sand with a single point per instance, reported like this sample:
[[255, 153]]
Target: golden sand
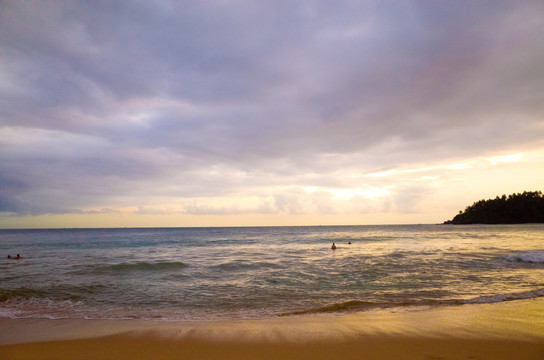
[[511, 330]]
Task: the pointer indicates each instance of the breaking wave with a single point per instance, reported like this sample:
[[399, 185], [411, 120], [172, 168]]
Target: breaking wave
[[532, 256], [524, 295], [355, 305], [61, 292]]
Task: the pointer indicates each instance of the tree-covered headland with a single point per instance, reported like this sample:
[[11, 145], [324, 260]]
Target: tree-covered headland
[[524, 208]]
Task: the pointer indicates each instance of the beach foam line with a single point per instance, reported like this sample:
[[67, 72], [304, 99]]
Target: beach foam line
[[521, 320], [531, 294], [355, 305]]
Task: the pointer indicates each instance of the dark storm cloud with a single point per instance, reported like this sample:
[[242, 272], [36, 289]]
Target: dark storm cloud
[[145, 96]]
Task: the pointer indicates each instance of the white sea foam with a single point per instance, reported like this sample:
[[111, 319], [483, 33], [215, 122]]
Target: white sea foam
[[532, 294], [39, 308], [9, 313]]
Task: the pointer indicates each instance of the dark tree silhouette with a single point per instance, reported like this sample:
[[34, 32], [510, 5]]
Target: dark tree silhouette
[[527, 207]]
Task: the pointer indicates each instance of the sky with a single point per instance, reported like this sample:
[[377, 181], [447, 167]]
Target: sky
[[246, 113]]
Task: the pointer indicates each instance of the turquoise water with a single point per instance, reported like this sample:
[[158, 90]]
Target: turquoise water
[[235, 273]]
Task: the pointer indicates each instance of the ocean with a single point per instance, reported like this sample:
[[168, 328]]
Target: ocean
[[171, 274]]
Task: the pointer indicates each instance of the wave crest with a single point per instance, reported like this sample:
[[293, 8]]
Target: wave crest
[[61, 292], [127, 267], [532, 256], [524, 295], [147, 266], [238, 265], [20, 293], [356, 305], [353, 305]]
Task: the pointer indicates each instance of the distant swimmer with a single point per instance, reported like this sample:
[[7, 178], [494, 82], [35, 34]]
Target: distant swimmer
[[333, 246], [18, 257], [9, 256], [349, 243]]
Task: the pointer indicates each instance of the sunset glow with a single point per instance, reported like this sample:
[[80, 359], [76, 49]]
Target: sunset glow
[[216, 114]]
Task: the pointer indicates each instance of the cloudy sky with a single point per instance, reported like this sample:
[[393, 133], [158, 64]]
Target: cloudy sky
[[216, 112]]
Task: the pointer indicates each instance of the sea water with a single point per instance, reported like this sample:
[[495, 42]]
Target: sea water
[[261, 272]]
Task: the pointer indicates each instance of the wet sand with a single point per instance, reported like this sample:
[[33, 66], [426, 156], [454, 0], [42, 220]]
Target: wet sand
[[510, 330]]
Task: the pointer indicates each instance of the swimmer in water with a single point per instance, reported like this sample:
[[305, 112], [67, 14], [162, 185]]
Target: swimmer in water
[[333, 247]]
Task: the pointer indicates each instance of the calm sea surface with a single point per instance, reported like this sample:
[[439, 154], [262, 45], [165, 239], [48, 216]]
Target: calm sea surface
[[235, 273]]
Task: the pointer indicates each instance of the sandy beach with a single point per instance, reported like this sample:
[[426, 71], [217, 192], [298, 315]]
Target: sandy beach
[[509, 330]]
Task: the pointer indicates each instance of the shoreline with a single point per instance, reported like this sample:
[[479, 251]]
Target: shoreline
[[509, 330]]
